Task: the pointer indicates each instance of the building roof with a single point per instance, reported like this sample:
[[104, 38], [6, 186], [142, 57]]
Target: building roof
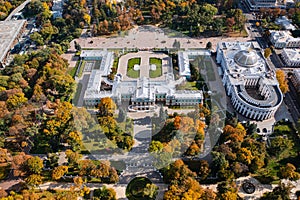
[[285, 23], [184, 58], [243, 62], [246, 58], [283, 36], [292, 54], [9, 31]]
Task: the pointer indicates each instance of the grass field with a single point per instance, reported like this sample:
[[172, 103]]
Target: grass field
[[158, 72], [130, 71]]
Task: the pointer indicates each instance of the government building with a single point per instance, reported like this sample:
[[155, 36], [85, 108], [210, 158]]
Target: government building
[[249, 82], [140, 93], [291, 57]]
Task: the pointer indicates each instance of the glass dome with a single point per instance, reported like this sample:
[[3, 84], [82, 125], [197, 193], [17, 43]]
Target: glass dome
[[246, 58]]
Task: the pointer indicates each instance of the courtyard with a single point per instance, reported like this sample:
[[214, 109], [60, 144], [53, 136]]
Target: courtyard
[[144, 60]]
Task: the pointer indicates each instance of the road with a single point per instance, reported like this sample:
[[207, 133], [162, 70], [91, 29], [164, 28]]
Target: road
[[17, 9]]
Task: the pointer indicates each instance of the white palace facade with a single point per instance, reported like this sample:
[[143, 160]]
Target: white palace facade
[[248, 80], [141, 93]]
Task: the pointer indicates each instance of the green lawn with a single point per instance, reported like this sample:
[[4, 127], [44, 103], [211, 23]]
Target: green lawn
[[81, 67], [188, 85], [77, 94], [158, 71], [130, 71]]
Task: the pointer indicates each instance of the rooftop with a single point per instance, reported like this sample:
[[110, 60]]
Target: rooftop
[[293, 54], [282, 36], [9, 31]]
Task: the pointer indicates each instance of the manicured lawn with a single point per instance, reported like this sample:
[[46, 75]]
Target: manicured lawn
[[77, 94], [158, 72], [130, 71], [188, 85], [81, 67]]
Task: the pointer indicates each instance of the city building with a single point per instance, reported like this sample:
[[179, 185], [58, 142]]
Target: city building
[[10, 32], [141, 93], [284, 39], [184, 59], [248, 80], [255, 5], [285, 23], [291, 57], [295, 79]]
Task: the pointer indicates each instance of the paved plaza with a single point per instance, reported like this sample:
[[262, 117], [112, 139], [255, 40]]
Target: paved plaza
[[148, 37]]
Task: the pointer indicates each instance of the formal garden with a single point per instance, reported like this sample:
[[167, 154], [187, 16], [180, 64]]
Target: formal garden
[[133, 70], [155, 67]]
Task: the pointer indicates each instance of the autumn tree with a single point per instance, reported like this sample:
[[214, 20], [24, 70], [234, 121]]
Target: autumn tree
[[289, 172], [34, 180], [267, 52], [106, 107], [59, 171], [283, 82], [18, 164], [204, 169]]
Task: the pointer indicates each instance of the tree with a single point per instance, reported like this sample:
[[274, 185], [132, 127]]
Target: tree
[[34, 180], [35, 165], [283, 82], [267, 52], [150, 191], [289, 171], [280, 145], [155, 146], [18, 163], [16, 100], [208, 45], [106, 107], [73, 157], [105, 193], [59, 171], [203, 169], [282, 192]]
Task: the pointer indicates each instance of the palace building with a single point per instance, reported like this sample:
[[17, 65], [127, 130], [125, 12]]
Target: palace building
[[141, 93], [248, 80]]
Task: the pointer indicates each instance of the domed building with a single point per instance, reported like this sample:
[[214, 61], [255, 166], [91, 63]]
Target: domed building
[[249, 81]]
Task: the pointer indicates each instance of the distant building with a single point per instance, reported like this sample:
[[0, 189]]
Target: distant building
[[284, 39], [285, 23], [10, 32], [295, 79], [249, 82], [57, 8], [141, 93], [291, 57], [255, 5]]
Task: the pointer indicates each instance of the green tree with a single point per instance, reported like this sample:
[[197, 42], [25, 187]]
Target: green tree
[[105, 193], [281, 192], [155, 146], [208, 45], [35, 165], [34, 180], [150, 191]]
